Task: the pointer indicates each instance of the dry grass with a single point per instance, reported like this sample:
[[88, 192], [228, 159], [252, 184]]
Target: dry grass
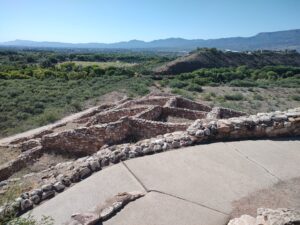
[[105, 65], [8, 154]]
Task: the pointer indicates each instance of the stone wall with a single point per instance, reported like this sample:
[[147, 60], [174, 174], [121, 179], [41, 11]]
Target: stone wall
[[152, 113], [188, 104], [86, 140], [183, 113], [142, 129], [13, 166], [114, 115]]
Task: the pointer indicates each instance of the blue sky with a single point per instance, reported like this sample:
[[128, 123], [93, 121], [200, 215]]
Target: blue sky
[[121, 20]]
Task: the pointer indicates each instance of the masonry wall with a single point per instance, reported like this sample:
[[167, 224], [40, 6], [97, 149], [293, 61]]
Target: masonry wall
[[152, 113], [142, 129], [114, 115], [183, 113], [188, 104], [86, 140]]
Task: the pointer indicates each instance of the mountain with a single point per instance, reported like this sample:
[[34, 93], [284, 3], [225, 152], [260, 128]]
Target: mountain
[[212, 58], [279, 40]]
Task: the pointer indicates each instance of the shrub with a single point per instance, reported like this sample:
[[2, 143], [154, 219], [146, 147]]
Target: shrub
[[194, 87], [296, 97], [258, 97], [234, 97]]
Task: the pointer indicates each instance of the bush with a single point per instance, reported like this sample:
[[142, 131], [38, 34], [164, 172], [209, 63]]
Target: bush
[[234, 97], [258, 97], [194, 87], [296, 97]]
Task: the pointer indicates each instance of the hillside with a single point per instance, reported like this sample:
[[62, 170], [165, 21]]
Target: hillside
[[279, 40], [212, 58]]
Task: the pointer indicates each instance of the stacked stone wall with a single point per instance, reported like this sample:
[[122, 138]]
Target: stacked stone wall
[[183, 113], [152, 113], [142, 129], [115, 114], [188, 104], [86, 140]]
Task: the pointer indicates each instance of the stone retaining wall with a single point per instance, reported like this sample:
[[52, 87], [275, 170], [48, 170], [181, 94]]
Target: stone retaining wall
[[188, 104], [152, 113], [183, 113], [142, 129], [86, 140], [114, 115], [13, 166]]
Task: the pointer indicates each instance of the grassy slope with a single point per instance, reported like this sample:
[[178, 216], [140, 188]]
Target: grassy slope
[[30, 103]]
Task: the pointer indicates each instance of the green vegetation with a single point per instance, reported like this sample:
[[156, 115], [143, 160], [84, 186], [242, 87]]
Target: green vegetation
[[269, 76], [39, 87]]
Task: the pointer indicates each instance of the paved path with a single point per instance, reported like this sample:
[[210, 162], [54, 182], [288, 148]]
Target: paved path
[[189, 186]]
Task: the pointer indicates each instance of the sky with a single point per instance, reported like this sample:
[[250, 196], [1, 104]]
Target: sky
[[107, 21]]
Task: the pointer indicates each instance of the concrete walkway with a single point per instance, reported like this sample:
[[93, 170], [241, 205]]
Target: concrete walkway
[[189, 186]]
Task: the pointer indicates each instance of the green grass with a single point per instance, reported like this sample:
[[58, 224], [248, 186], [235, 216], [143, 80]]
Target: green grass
[[30, 103]]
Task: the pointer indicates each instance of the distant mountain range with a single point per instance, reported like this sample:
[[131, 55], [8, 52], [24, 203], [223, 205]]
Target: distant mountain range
[[279, 40]]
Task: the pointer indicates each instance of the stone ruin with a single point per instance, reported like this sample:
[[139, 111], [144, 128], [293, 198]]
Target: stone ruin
[[113, 133], [124, 122]]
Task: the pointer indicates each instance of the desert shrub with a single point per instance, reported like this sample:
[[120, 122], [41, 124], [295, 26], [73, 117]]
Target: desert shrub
[[194, 87], [175, 83], [296, 97], [183, 93], [243, 83], [234, 97], [258, 97]]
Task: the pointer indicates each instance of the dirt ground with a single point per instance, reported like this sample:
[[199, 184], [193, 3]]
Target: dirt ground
[[285, 194], [8, 154]]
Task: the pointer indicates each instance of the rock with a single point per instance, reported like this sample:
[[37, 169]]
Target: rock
[[26, 205], [104, 162], [36, 199], [95, 166], [3, 183], [38, 192], [84, 172], [206, 131], [175, 144], [65, 181], [269, 217], [165, 146], [47, 187], [223, 128], [106, 213], [117, 206], [279, 118], [59, 187], [25, 195], [157, 148], [138, 150], [147, 151], [132, 154], [48, 194], [280, 216], [86, 218], [199, 133], [243, 220], [114, 158]]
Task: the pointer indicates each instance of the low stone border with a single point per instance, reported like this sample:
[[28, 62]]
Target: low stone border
[[256, 126], [280, 216], [105, 211]]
